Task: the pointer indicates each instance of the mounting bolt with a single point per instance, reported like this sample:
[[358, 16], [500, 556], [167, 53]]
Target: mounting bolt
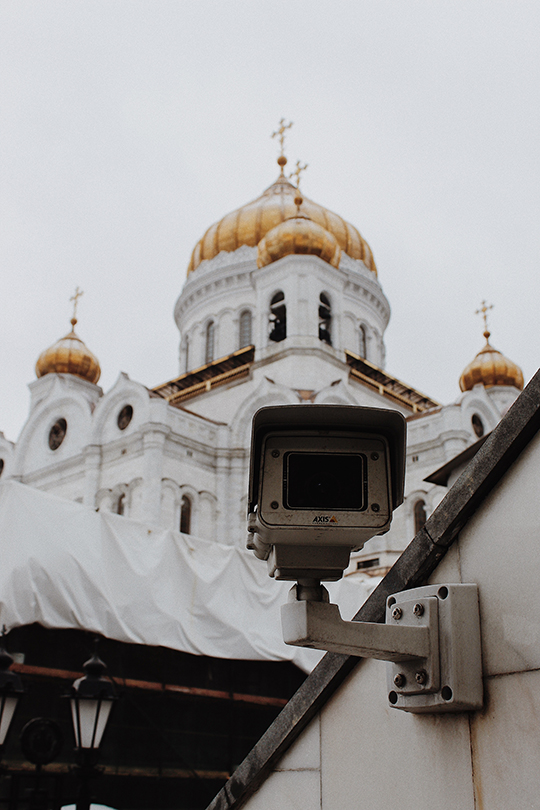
[[374, 456], [421, 677], [275, 453], [397, 613], [400, 680], [274, 504], [418, 609]]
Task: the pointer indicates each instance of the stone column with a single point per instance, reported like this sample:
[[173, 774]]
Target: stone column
[[225, 514], [238, 489], [454, 443], [154, 436], [92, 468]]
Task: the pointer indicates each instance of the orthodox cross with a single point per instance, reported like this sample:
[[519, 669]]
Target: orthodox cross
[[280, 133], [484, 309], [298, 171], [75, 299]]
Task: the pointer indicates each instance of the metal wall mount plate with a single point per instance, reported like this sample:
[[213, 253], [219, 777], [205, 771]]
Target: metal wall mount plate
[[450, 678]]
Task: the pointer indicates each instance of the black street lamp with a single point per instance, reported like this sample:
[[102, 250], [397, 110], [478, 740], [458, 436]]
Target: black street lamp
[[91, 700], [11, 689]]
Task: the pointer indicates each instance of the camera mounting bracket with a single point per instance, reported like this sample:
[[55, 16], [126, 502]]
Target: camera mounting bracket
[[431, 639]]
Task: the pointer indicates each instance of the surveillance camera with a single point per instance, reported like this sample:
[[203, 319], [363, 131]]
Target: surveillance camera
[[323, 480]]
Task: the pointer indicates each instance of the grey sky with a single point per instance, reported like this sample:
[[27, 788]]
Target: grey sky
[[127, 127]]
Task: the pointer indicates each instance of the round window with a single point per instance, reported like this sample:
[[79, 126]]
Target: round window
[[124, 417], [57, 434], [478, 425]]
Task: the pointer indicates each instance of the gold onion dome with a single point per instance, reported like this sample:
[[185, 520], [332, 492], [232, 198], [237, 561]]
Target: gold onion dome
[[489, 368], [299, 235], [69, 355], [250, 223]]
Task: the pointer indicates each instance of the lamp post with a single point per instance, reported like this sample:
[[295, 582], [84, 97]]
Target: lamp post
[[91, 700], [11, 689]]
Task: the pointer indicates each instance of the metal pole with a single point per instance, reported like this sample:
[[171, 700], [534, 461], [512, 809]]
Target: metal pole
[[84, 797], [86, 771]]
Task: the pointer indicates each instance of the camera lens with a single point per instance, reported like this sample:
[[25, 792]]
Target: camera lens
[[322, 488], [325, 481]]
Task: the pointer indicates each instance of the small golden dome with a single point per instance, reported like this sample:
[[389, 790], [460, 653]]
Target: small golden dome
[[490, 367], [69, 355], [298, 235], [250, 223]]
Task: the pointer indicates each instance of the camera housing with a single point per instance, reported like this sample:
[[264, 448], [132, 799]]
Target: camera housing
[[323, 480]]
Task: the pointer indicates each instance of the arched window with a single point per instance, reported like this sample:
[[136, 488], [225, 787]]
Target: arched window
[[57, 434], [478, 425], [325, 317], [185, 515], [121, 504], [124, 417], [278, 318], [362, 336], [245, 329], [420, 516], [209, 349]]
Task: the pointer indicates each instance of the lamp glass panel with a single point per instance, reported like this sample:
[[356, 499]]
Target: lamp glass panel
[[7, 707], [106, 706], [91, 721], [76, 723]]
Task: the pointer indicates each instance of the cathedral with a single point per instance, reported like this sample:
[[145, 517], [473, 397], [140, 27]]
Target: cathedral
[[282, 304]]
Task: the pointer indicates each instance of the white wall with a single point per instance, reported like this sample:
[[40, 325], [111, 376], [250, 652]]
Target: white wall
[[360, 753]]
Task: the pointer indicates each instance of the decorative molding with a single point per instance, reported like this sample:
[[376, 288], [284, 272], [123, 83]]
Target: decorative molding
[[227, 258], [357, 265]]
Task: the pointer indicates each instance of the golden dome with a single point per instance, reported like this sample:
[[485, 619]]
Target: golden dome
[[248, 224], [491, 368], [298, 235], [69, 355]]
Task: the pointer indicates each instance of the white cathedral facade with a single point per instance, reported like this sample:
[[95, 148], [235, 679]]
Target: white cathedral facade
[[282, 305]]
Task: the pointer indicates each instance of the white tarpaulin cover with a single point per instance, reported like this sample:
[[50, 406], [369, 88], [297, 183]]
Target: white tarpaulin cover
[[66, 566]]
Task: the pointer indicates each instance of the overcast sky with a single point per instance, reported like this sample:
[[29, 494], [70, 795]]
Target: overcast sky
[[128, 126]]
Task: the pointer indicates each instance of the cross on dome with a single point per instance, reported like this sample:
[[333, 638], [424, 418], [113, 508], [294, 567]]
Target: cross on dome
[[280, 135], [297, 172], [484, 309], [75, 299]]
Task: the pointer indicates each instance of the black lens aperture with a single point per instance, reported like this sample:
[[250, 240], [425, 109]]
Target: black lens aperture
[[325, 481]]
